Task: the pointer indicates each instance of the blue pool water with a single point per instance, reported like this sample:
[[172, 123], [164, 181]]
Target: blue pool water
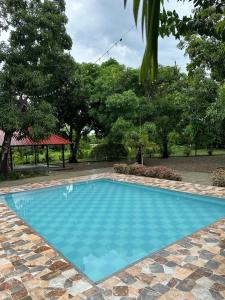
[[102, 226]]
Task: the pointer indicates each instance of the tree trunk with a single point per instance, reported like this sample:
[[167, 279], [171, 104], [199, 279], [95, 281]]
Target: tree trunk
[[210, 150], [196, 150], [142, 155], [139, 156], [4, 164], [74, 148], [73, 156], [165, 152]]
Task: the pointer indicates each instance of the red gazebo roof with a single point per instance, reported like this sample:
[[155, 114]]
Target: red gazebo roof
[[54, 139]]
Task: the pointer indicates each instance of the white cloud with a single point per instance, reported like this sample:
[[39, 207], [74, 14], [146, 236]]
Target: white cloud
[[95, 25]]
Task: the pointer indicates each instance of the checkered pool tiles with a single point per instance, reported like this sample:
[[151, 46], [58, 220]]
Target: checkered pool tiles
[[192, 268]]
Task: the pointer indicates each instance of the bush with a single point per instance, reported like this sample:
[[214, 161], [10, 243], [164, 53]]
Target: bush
[[218, 177], [136, 169], [15, 175], [109, 152], [10, 176], [154, 172], [121, 168]]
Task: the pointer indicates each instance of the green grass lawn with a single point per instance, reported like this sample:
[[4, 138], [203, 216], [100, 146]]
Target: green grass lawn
[[55, 156], [179, 151]]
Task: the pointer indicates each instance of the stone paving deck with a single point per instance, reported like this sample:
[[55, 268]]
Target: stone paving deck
[[192, 268]]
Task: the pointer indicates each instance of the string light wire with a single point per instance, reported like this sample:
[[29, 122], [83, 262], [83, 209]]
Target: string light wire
[[115, 44], [107, 52]]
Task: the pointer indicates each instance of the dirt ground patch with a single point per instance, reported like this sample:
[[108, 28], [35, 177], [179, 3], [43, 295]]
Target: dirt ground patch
[[192, 169], [205, 164]]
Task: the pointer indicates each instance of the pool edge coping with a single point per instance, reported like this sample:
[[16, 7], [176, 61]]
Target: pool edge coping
[[114, 177]]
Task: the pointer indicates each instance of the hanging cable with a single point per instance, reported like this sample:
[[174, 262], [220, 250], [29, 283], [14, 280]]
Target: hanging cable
[[115, 44], [107, 52]]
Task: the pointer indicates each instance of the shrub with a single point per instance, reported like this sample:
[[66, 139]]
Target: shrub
[[160, 172], [167, 173], [218, 177], [109, 152], [15, 175], [136, 169], [121, 168], [151, 172]]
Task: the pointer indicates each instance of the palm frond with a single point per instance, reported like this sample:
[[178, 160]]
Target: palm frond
[[136, 10], [150, 29]]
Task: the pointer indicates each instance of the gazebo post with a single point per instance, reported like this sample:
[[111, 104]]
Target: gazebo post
[[54, 139], [47, 156], [35, 155], [11, 158], [63, 155]]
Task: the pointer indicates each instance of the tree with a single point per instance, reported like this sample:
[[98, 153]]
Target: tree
[[206, 53], [200, 97], [134, 138], [166, 106], [137, 139], [34, 64], [118, 103], [119, 130], [110, 81], [74, 105], [204, 42], [123, 110], [127, 115], [216, 114], [165, 23], [124, 105]]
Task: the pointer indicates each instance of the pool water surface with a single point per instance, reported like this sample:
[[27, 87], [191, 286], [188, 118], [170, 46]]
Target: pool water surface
[[102, 226]]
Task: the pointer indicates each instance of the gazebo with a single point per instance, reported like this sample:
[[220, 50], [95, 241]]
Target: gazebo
[[54, 139]]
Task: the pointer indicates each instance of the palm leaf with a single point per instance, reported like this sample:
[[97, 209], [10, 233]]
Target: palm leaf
[[150, 29], [136, 10]]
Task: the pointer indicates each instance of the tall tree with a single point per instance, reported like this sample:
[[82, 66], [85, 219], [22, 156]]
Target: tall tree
[[114, 89], [74, 105], [200, 98], [108, 82], [127, 122], [204, 41], [166, 102], [34, 63], [207, 53]]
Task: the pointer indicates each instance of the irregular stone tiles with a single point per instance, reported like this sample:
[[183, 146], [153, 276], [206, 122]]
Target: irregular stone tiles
[[192, 268]]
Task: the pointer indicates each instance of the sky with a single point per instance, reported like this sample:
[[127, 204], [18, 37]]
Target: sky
[[95, 25]]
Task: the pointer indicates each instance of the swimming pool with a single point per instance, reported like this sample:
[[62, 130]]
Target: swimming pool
[[102, 226]]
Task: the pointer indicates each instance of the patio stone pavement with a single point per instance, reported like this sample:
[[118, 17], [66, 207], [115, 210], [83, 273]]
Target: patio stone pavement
[[192, 268]]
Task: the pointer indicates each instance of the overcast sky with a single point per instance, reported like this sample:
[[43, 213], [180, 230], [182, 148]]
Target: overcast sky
[[95, 25]]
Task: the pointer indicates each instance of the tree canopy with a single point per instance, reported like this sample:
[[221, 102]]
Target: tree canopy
[[34, 62], [155, 21], [43, 89]]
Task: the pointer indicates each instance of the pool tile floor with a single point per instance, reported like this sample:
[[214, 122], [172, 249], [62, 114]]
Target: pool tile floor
[[192, 268]]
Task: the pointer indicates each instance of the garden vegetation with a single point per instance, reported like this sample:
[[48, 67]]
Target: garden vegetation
[[160, 172], [104, 110]]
